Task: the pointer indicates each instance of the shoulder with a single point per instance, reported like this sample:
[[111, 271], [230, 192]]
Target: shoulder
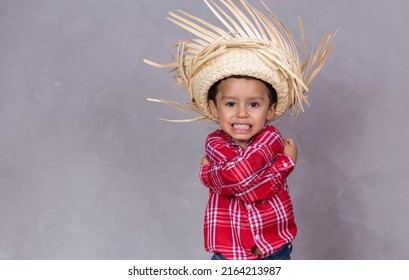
[[271, 129], [219, 147], [215, 134], [218, 136], [269, 133], [268, 136]]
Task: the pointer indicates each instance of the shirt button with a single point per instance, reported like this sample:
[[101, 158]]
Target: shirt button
[[249, 206], [285, 164], [257, 237]]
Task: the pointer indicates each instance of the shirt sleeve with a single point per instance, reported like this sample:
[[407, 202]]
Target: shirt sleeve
[[248, 172], [270, 182]]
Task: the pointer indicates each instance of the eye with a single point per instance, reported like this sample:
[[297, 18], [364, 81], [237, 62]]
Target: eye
[[230, 104], [254, 104]]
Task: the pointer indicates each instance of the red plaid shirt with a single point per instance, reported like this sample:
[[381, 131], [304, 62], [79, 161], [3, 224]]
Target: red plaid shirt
[[249, 205]]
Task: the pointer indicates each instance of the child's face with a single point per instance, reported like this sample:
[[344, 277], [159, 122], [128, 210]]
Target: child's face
[[242, 108]]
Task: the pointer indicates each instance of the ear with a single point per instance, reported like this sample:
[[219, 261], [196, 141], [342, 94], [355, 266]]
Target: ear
[[213, 109], [271, 113]]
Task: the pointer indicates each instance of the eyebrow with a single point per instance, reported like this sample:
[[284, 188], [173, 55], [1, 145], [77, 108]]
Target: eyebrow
[[229, 97], [236, 97]]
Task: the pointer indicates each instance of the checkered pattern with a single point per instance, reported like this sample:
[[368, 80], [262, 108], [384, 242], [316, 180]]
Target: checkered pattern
[[249, 205]]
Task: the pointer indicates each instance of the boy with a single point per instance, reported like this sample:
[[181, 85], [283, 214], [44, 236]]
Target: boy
[[245, 169], [243, 77]]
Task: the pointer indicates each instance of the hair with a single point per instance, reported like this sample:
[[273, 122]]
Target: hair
[[213, 90]]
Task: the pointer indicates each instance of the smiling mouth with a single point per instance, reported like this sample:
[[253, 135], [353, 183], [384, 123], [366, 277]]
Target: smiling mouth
[[241, 126]]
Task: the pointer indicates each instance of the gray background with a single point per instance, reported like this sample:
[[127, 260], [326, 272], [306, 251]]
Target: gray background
[[88, 172]]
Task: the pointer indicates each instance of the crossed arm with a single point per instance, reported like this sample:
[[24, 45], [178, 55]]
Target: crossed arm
[[250, 174]]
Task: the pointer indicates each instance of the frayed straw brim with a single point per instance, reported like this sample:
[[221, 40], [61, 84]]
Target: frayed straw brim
[[251, 45]]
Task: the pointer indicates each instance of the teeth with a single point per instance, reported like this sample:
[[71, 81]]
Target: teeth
[[241, 126]]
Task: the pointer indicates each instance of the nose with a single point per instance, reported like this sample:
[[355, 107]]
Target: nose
[[242, 111]]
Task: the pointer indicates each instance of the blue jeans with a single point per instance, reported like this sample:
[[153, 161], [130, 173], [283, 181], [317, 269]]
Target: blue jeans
[[283, 254]]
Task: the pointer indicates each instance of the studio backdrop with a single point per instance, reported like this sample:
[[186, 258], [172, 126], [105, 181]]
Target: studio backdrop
[[87, 171]]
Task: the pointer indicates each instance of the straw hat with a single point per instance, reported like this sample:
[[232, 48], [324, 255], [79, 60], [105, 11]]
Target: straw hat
[[251, 44]]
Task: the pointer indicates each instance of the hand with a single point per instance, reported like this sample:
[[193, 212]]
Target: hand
[[204, 161], [290, 149]]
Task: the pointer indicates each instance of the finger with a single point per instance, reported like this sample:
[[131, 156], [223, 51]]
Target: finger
[[205, 161]]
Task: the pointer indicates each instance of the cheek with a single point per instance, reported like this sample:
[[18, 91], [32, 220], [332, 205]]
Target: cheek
[[227, 112], [222, 115]]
